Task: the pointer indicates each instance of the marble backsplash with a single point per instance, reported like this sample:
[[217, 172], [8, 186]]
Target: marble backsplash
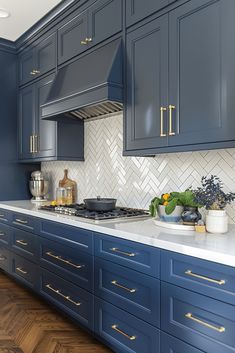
[[134, 181]]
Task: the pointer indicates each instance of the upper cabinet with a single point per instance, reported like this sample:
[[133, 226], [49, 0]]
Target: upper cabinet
[[136, 10], [89, 28], [189, 103], [37, 60]]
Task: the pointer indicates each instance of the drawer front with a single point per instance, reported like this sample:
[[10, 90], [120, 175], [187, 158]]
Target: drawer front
[[74, 265], [24, 222], [5, 216], [4, 259], [5, 234], [209, 278], [171, 344], [131, 291], [77, 238], [77, 302], [24, 243], [124, 332], [198, 320], [25, 271], [136, 256]]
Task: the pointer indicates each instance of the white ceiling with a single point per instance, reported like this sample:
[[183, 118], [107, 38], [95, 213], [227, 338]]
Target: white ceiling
[[24, 14]]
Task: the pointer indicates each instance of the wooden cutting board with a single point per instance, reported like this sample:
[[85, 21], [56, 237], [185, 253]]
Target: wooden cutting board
[[66, 182]]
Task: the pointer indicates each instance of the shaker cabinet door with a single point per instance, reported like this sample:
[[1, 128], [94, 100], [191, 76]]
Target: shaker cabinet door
[[26, 122], [45, 55], [26, 66], [202, 72], [147, 85], [46, 129]]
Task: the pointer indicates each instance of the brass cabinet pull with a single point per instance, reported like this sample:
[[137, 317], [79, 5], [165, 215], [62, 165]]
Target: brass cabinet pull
[[67, 297], [22, 242], [21, 221], [171, 107], [84, 42], [2, 234], [123, 252], [216, 281], [115, 328], [2, 258], [88, 40], [19, 269], [162, 110], [115, 283], [35, 148], [57, 257], [31, 144], [2, 216], [36, 72], [33, 73], [190, 316]]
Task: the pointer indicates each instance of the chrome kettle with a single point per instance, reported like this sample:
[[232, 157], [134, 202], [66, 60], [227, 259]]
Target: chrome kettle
[[39, 186]]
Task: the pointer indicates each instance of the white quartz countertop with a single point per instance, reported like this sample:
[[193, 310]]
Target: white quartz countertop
[[218, 248]]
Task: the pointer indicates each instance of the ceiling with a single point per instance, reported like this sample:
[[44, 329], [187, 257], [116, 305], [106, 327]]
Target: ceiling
[[24, 14]]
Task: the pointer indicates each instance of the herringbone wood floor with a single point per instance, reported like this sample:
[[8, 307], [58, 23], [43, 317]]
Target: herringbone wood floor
[[28, 325]]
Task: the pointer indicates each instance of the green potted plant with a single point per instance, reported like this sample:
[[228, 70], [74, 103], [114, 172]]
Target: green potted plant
[[170, 207]]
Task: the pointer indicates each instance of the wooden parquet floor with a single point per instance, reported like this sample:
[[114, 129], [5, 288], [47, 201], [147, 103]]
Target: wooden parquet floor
[[29, 325]]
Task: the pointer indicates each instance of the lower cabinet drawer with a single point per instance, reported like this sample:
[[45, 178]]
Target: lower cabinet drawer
[[5, 234], [132, 291], [67, 262], [171, 344], [198, 320], [75, 301], [25, 271], [24, 243], [4, 259], [124, 333]]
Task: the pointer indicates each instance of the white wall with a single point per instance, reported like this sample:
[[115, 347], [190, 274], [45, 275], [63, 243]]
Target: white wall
[[135, 181]]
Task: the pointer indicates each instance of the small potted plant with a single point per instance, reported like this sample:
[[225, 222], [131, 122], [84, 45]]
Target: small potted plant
[[214, 199], [170, 207]]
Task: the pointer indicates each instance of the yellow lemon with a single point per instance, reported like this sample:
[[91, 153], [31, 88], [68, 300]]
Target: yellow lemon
[[166, 196], [165, 203], [53, 203]]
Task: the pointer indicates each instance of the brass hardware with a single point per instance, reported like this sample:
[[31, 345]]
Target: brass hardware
[[31, 144], [2, 215], [190, 316], [36, 72], [123, 252], [115, 328], [67, 297], [33, 73], [2, 258], [171, 107], [22, 242], [88, 40], [19, 269], [84, 42], [2, 234], [35, 148], [62, 260], [162, 110], [115, 283], [216, 281], [21, 221]]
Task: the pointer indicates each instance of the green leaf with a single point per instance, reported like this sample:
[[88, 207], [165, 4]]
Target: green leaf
[[171, 206], [154, 206]]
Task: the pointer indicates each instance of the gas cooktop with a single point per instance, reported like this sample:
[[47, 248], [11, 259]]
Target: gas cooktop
[[79, 210]]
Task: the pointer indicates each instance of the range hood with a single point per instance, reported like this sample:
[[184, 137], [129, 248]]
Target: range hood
[[90, 86]]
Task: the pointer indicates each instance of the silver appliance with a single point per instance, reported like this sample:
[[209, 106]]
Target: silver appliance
[[39, 186]]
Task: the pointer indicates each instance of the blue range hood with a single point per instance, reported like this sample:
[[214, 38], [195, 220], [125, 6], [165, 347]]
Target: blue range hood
[[90, 86]]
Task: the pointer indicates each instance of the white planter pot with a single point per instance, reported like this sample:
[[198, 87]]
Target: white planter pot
[[175, 216], [217, 221]]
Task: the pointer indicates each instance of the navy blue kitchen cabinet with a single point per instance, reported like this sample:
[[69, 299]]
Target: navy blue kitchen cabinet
[[147, 86], [196, 108], [4, 258], [24, 271], [89, 27], [171, 344], [136, 10], [41, 139], [37, 60]]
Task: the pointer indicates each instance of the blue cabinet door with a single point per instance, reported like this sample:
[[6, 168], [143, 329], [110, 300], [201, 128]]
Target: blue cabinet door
[[26, 65], [170, 344], [201, 72], [147, 85], [45, 55], [26, 122], [45, 129], [4, 259], [108, 12], [136, 10]]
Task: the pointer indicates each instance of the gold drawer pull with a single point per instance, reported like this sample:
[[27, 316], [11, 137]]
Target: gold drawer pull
[[216, 281], [115, 283], [22, 242], [162, 110], [115, 328], [171, 108], [2, 234], [123, 252], [2, 258], [57, 257], [19, 269], [190, 316], [2, 216], [67, 297], [84, 42], [21, 221], [32, 72]]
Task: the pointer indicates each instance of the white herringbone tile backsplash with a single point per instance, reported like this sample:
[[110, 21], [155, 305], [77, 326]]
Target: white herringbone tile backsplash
[[134, 181]]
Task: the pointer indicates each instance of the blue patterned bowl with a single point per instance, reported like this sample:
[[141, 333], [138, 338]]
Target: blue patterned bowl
[[175, 216]]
